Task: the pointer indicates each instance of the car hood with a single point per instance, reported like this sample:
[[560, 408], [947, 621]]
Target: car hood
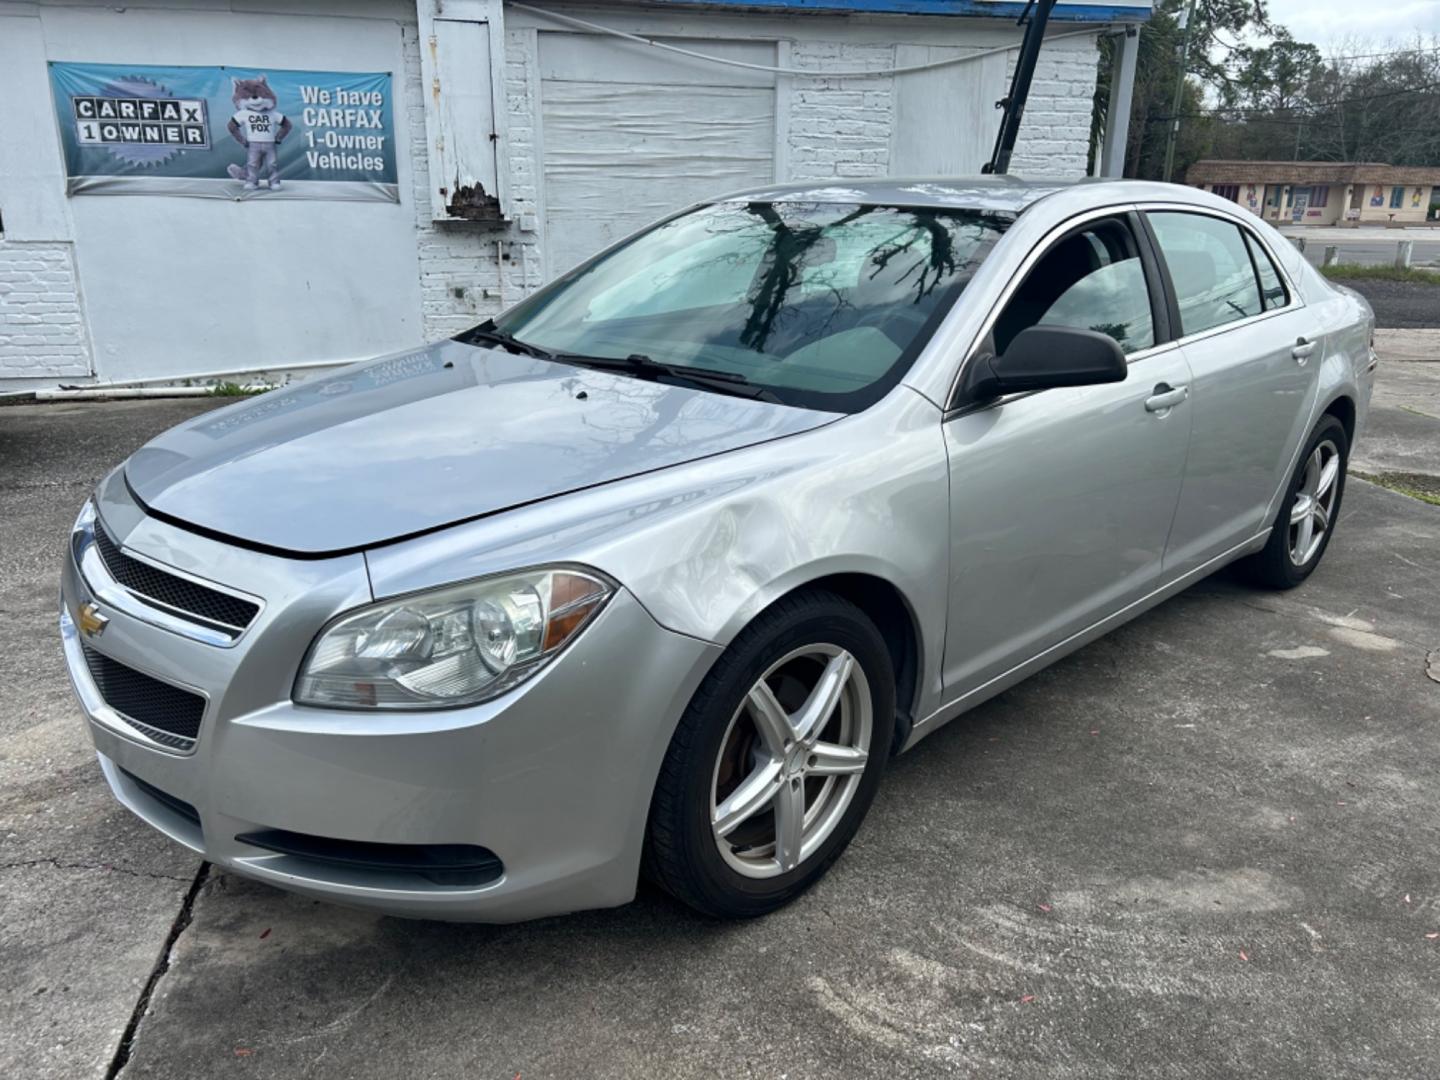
[[416, 441]]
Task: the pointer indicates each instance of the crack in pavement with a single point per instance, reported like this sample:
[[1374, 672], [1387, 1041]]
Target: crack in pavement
[[40, 485], [22, 864], [162, 965]]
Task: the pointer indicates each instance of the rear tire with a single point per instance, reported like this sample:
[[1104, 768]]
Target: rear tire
[[776, 760], [1308, 513]]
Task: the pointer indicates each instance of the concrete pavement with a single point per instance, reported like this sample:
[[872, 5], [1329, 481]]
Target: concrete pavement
[[1403, 446], [89, 894], [1205, 845]]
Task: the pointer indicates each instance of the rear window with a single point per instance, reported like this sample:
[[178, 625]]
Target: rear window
[[1210, 268], [1272, 286]]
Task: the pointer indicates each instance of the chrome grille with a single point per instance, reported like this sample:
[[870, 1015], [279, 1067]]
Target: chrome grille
[[167, 714], [179, 595]]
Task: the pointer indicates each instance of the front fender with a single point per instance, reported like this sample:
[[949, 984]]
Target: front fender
[[707, 545]]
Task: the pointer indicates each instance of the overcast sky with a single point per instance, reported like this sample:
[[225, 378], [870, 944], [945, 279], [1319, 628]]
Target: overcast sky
[[1331, 23]]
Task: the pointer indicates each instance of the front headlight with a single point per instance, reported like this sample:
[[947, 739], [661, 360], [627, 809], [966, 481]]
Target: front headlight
[[449, 647]]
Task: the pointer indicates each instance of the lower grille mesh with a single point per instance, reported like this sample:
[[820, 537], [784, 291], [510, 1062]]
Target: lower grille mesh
[[166, 713]]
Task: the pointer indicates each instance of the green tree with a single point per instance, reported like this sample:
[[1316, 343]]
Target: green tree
[[1217, 29], [1280, 100]]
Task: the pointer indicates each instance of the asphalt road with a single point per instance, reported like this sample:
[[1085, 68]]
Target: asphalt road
[[1400, 305], [1203, 846]]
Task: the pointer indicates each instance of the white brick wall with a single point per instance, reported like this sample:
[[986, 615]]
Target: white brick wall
[[840, 127], [1054, 139], [459, 280], [837, 128], [522, 105], [833, 128], [42, 329]]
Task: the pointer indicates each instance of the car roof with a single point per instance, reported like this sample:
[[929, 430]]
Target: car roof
[[1003, 193]]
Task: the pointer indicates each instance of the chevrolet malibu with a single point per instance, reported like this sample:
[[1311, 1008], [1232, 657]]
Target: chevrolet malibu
[[652, 574]]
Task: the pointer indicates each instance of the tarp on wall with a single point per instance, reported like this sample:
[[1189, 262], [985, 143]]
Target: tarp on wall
[[223, 132]]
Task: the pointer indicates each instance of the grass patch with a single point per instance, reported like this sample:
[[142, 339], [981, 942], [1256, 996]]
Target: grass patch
[[230, 389], [1416, 485], [1354, 272]]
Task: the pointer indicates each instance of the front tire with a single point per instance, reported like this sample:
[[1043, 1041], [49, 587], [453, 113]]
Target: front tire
[[1309, 512], [776, 760]]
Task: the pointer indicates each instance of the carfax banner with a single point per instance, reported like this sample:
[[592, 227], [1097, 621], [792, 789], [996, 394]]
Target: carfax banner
[[226, 133]]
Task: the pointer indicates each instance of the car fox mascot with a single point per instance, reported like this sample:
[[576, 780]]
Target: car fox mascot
[[260, 127]]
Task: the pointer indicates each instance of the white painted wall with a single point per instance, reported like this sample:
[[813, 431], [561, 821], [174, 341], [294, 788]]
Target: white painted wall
[[633, 133], [42, 325], [824, 126], [176, 285], [164, 285]]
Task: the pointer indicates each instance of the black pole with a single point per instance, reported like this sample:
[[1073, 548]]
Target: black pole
[[1014, 102]]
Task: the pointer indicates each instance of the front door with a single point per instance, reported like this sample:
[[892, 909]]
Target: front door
[[1061, 501], [1253, 380]]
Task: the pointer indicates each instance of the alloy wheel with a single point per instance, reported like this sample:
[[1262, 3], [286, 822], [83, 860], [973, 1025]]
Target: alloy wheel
[[791, 761], [1314, 506]]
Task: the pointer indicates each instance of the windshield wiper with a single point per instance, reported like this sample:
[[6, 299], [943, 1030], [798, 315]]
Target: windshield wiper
[[724, 382], [493, 334]]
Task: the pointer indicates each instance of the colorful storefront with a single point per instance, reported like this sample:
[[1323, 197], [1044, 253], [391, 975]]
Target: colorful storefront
[[1324, 193]]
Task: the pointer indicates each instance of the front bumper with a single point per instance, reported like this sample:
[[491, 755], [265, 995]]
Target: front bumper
[[554, 778]]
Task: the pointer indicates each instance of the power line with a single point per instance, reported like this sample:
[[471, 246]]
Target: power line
[[1221, 110], [1312, 125], [1378, 55]]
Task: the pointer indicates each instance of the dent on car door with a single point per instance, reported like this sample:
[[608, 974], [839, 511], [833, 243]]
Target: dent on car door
[[1253, 355], [1061, 501]]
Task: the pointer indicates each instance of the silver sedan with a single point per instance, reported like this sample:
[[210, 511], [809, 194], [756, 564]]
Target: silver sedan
[[653, 573]]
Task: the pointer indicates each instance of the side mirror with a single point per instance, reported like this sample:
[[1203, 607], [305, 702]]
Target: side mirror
[[1042, 357]]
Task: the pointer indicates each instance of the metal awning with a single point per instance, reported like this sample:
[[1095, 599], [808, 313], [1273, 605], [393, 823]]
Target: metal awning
[[1096, 11]]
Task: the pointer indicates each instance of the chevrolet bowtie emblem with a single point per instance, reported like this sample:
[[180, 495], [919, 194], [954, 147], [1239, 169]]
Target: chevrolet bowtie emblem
[[92, 622]]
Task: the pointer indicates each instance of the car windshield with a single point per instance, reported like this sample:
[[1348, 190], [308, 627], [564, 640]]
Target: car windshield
[[820, 305]]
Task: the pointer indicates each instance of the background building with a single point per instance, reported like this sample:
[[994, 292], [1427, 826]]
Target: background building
[[1323, 192], [477, 149]]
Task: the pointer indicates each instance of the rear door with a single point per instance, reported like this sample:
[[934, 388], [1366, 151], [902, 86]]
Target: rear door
[[1247, 338], [1061, 501]]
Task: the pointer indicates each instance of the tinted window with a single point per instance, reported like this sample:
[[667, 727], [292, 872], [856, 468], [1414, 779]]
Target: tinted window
[[1210, 268], [1272, 287], [823, 304], [1092, 280]]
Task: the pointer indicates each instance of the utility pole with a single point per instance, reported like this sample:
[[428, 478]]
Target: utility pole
[[1186, 18]]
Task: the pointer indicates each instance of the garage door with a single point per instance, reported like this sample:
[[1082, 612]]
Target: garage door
[[945, 119], [631, 133]]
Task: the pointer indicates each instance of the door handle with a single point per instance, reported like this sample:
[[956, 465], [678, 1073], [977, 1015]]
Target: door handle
[[1302, 350], [1166, 397]]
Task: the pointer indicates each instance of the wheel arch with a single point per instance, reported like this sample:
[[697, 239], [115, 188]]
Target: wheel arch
[[1342, 407], [892, 613]]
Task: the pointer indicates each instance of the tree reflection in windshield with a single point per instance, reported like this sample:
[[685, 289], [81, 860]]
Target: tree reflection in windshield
[[780, 270], [823, 303]]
